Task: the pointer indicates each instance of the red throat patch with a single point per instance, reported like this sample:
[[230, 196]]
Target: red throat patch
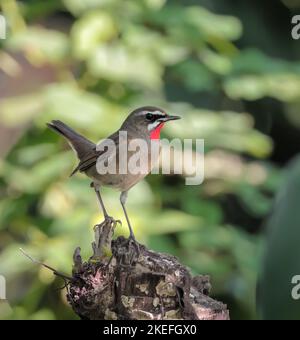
[[155, 134]]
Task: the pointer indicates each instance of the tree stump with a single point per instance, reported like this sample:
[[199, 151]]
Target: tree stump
[[131, 284]]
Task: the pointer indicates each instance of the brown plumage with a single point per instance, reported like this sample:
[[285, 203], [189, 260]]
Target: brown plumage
[[143, 123]]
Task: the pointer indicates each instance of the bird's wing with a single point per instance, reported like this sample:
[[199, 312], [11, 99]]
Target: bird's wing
[[86, 163], [91, 159]]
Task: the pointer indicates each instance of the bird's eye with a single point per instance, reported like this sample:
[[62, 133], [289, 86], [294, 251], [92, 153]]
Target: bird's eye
[[149, 116]]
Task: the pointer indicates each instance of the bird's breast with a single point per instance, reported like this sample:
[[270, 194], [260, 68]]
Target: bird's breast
[[129, 164]]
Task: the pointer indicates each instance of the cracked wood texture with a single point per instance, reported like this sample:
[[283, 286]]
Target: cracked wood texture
[[139, 285]]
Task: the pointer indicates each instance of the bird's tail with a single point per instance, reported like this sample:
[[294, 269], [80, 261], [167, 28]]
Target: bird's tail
[[79, 144]]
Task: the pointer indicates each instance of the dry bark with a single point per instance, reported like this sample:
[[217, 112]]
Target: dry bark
[[131, 285]]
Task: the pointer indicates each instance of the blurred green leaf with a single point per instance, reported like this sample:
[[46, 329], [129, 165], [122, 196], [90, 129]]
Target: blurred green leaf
[[226, 27], [195, 76], [284, 86], [171, 222], [223, 129], [40, 44], [119, 63], [78, 7], [80, 109], [15, 111], [93, 29], [281, 261], [36, 178]]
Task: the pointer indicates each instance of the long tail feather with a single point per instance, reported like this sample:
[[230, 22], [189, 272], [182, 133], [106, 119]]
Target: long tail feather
[[81, 145]]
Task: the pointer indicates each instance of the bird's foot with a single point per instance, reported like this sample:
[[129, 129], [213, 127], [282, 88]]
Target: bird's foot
[[103, 236], [131, 251], [132, 240], [112, 221], [108, 220]]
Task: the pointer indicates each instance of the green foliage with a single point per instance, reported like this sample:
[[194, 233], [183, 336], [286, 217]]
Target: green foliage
[[88, 63], [281, 260]]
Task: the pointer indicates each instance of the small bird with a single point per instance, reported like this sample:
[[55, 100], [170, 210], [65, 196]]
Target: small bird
[[143, 123]]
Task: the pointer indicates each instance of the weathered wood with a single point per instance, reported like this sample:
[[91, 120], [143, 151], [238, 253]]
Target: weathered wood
[[145, 285]]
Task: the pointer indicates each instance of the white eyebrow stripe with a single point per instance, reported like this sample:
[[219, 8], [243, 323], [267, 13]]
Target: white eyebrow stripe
[[158, 113]]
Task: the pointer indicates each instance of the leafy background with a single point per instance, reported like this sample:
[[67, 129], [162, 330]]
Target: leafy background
[[230, 69]]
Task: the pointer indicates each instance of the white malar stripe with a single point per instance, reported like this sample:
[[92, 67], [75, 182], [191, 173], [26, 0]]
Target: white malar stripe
[[153, 125]]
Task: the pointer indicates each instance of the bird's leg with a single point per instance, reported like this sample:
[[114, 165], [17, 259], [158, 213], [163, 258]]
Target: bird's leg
[[123, 199], [107, 218], [103, 231], [103, 209]]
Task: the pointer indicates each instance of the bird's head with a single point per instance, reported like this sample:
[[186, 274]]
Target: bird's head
[[149, 120]]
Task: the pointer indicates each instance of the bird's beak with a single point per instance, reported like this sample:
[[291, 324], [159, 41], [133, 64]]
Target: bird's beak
[[169, 117]]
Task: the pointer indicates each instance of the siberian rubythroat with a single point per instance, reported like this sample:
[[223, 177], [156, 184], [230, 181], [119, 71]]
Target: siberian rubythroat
[[144, 123]]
